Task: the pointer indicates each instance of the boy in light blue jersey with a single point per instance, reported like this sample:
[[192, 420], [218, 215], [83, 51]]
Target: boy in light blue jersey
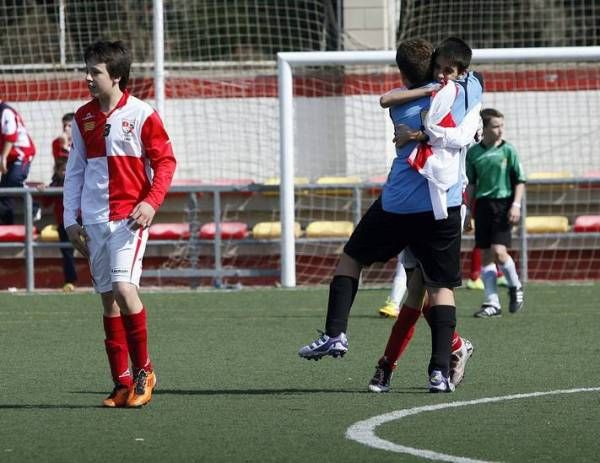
[[401, 217]]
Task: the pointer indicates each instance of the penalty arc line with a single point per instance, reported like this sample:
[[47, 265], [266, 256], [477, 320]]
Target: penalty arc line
[[363, 432]]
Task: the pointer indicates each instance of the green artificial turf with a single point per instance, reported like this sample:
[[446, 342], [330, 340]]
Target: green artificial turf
[[231, 387]]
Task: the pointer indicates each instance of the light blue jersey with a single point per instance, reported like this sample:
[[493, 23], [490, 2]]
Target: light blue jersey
[[406, 191]]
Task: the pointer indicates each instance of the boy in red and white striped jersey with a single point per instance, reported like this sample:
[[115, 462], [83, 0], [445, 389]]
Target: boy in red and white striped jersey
[[16, 153], [120, 168]]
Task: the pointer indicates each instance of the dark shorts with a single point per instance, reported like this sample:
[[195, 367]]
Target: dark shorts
[[491, 222], [381, 235]]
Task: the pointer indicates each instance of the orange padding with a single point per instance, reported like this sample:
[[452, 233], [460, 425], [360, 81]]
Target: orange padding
[[169, 231], [229, 231], [10, 233], [587, 224]]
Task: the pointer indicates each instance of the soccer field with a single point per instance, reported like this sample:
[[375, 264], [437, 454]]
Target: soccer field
[[231, 387]]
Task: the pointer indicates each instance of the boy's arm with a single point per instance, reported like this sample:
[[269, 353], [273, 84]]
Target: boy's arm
[[514, 213], [158, 149], [4, 156], [72, 188], [455, 137], [9, 132], [519, 180], [74, 178], [401, 96]]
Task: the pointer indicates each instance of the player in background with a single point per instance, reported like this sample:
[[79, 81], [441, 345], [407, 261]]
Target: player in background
[[58, 179], [16, 153], [496, 188], [408, 207], [120, 168], [450, 62], [62, 144]]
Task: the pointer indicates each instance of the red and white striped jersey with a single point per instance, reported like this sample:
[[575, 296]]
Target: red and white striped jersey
[[13, 130], [116, 161]]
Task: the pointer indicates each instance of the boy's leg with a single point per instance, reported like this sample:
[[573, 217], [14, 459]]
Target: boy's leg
[[13, 178], [115, 341], [404, 327], [392, 304], [437, 248], [117, 352], [442, 316], [515, 289], [127, 251], [370, 242], [69, 270], [486, 228], [491, 304], [474, 281], [342, 291]]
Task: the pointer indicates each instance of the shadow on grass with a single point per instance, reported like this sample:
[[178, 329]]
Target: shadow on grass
[[46, 407], [268, 392]]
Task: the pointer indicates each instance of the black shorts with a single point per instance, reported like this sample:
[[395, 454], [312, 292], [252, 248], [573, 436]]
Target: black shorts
[[491, 222], [381, 235]]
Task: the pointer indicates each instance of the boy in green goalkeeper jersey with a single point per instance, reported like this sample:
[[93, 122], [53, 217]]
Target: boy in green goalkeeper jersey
[[496, 184]]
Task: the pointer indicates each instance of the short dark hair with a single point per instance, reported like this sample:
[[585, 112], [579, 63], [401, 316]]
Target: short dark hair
[[68, 117], [413, 59], [456, 51], [115, 55], [488, 113]]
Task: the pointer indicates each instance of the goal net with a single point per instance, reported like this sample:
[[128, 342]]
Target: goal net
[[550, 101], [222, 111]]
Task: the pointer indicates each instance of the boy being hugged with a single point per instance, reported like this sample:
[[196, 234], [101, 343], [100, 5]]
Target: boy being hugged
[[119, 170]]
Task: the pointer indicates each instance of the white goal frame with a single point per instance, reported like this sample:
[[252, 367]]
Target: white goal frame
[[287, 61]]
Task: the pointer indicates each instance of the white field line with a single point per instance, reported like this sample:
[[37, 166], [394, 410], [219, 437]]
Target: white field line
[[364, 431]]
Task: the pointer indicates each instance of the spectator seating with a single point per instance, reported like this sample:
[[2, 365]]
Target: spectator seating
[[353, 179], [272, 230], [547, 224], [169, 231], [562, 175], [329, 229], [14, 233], [229, 231], [587, 224], [275, 181], [233, 182], [49, 234]]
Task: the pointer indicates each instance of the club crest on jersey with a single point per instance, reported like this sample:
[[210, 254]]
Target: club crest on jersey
[[89, 126], [128, 128]]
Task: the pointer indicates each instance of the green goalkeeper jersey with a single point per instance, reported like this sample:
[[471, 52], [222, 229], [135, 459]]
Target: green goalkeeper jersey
[[494, 170]]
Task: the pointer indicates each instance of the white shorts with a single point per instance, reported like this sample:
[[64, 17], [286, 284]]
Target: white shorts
[[116, 253]]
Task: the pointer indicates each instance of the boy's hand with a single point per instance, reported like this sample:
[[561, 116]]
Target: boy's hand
[[514, 214], [78, 237], [468, 221], [142, 215], [404, 134]]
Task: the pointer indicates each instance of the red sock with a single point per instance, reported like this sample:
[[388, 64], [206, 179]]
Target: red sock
[[456, 341], [402, 333], [475, 264], [137, 340], [116, 349]]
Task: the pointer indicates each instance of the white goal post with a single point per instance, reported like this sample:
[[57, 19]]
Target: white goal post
[[289, 61]]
